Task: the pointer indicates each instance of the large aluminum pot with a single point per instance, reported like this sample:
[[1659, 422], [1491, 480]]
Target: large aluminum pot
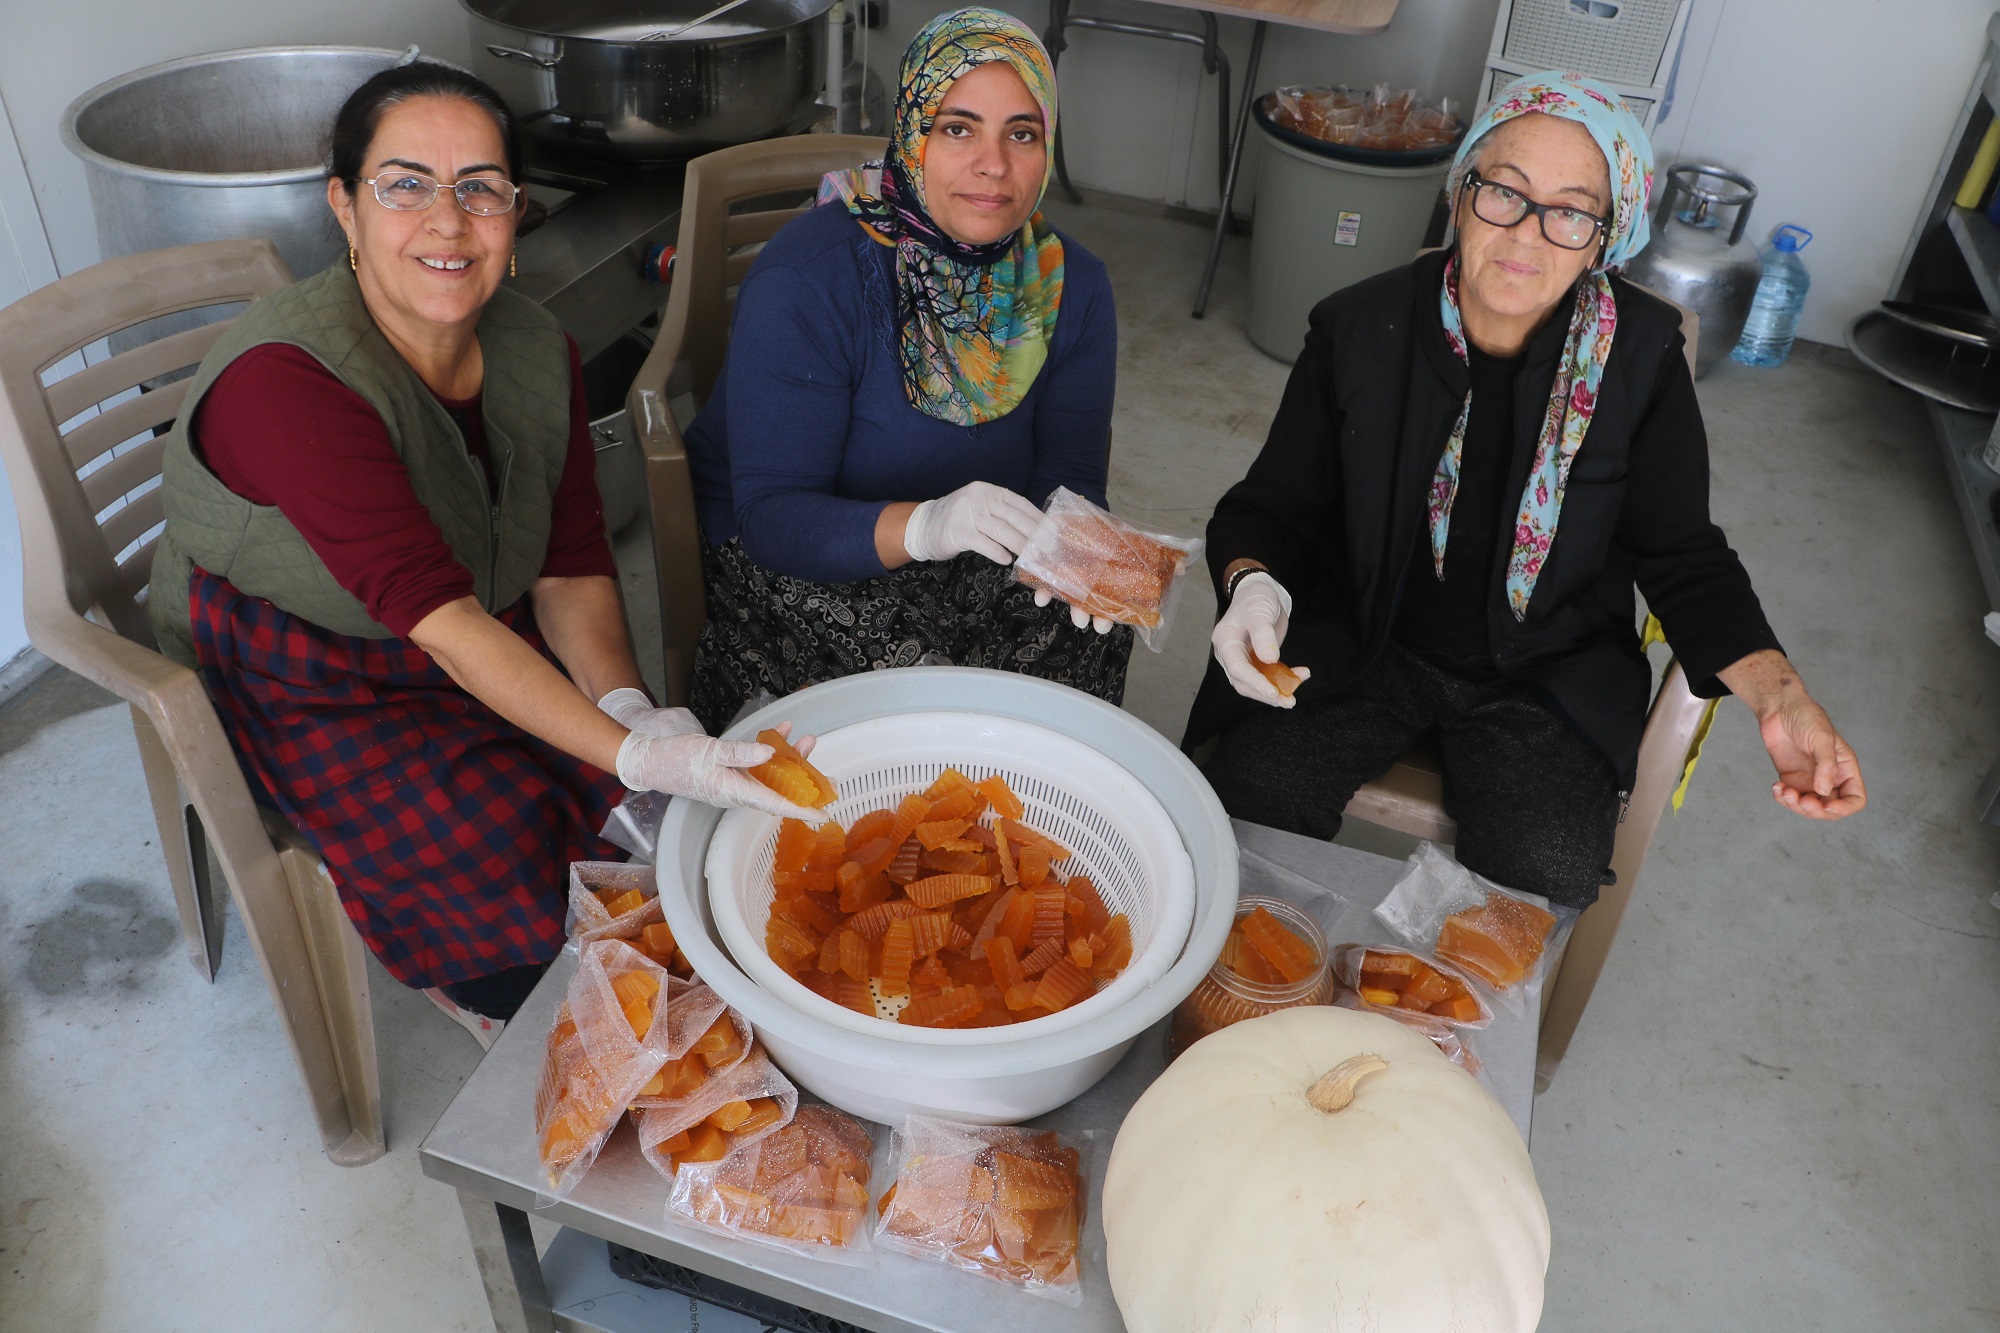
[[585, 80], [219, 147]]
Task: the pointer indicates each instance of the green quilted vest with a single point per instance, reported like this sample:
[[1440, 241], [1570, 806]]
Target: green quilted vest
[[501, 539]]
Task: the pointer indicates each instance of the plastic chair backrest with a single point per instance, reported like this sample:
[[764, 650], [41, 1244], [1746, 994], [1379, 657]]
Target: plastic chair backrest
[[715, 250], [85, 449]]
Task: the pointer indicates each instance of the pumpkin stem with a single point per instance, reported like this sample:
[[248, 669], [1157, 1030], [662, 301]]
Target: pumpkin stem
[[1335, 1089]]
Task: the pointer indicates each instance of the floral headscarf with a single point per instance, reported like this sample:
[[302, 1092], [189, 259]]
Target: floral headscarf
[[973, 322], [1628, 157]]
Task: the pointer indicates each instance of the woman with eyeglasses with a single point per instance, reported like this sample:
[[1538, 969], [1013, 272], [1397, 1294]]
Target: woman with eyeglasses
[[1477, 458], [385, 553]]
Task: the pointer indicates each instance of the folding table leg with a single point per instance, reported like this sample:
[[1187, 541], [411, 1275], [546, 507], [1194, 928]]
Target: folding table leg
[[504, 1249], [1235, 166]]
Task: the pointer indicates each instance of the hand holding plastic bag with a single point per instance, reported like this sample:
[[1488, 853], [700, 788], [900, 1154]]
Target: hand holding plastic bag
[[1105, 568]]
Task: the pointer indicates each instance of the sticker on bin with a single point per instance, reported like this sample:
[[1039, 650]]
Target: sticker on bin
[[1347, 229]]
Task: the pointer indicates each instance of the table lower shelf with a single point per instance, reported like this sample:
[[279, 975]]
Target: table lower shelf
[[1963, 435]]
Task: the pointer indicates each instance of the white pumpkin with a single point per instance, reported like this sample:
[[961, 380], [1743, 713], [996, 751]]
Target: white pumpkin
[[1247, 1193]]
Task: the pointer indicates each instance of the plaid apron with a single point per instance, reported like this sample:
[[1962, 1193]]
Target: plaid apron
[[448, 829]]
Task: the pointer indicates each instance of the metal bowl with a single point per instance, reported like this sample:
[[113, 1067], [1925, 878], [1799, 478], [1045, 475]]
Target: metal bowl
[[585, 79]]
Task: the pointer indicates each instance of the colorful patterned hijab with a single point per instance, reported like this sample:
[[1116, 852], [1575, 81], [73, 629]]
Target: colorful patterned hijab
[[973, 322], [1628, 156]]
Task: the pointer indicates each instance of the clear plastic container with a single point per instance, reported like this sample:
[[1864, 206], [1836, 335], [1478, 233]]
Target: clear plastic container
[[1781, 296], [1225, 996]]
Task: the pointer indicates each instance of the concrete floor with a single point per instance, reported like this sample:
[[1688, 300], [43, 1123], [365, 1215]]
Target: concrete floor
[[1779, 1112]]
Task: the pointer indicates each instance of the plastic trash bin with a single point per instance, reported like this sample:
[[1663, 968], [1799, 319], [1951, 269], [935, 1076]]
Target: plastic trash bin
[[1327, 217]]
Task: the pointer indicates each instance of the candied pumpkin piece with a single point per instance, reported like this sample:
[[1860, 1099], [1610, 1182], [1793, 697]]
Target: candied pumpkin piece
[[787, 944], [1086, 905], [629, 901], [931, 931], [1062, 985], [1024, 836], [1033, 863], [866, 891], [931, 972], [946, 1009], [1006, 964], [764, 1112], [1043, 955], [640, 1015], [1293, 958], [1018, 924], [948, 781], [792, 883], [1026, 1184], [706, 1143], [1499, 941], [1430, 986], [899, 954], [1379, 995], [684, 1077], [907, 864], [795, 843], [657, 942], [719, 1038], [678, 1143], [871, 923], [1009, 868], [1117, 947], [1395, 970], [940, 831], [943, 890], [630, 986], [1460, 1009], [869, 827], [1001, 797], [1050, 914], [851, 994], [1079, 953], [1283, 679], [729, 1116], [958, 803], [1020, 997], [851, 956], [829, 847], [791, 775]]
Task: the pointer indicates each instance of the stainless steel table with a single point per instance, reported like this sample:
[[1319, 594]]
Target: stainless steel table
[[484, 1146]]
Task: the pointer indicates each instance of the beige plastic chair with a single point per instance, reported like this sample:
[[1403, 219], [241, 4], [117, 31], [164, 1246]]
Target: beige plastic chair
[[714, 251], [84, 571], [1410, 799]]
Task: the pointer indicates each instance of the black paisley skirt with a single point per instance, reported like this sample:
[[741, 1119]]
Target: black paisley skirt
[[769, 631]]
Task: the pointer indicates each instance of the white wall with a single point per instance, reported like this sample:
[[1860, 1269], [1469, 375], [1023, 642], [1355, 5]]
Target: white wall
[[1838, 110]]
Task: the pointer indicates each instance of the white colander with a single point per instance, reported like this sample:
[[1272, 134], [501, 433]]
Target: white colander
[[1115, 829], [876, 1073]]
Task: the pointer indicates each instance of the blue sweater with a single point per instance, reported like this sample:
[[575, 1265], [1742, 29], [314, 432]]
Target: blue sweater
[[809, 433]]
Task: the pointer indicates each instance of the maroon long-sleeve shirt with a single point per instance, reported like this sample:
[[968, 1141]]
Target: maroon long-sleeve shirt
[[278, 428]]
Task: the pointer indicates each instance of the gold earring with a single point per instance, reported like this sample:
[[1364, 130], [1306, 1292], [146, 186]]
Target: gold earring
[[352, 266], [513, 265]]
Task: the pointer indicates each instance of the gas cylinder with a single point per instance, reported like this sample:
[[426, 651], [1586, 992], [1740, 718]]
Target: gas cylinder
[[1694, 259]]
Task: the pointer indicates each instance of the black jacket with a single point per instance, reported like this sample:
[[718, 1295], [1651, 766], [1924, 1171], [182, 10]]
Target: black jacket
[[1335, 507]]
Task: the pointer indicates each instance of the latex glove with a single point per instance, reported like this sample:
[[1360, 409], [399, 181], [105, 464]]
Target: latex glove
[[978, 516], [704, 769], [632, 710], [1258, 616], [1078, 617]]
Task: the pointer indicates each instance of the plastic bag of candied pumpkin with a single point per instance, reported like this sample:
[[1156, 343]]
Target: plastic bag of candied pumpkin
[[609, 1039], [1398, 982], [1003, 1201], [610, 900], [1101, 564], [1499, 936], [802, 1187], [703, 1116]]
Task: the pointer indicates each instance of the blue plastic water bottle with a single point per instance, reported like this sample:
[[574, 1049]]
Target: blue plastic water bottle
[[1781, 295]]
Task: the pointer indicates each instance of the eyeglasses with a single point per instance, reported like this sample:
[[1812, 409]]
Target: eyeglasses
[[410, 192], [1566, 228]]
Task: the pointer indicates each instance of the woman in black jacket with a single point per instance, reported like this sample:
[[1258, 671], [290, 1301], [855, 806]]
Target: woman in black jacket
[[1477, 458]]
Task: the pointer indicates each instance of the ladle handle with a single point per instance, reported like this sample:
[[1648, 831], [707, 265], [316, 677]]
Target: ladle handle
[[527, 57]]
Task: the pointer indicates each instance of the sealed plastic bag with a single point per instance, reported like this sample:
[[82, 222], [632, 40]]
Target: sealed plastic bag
[[802, 1187], [1382, 978], [1456, 1046], [635, 823], [608, 1041], [613, 900], [730, 1109], [1106, 566], [1002, 1201], [1497, 935], [707, 1038]]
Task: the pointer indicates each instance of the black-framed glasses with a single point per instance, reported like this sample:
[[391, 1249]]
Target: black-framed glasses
[[412, 192], [1563, 227]]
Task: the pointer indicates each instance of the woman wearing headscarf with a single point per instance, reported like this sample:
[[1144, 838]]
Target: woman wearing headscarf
[[1476, 459], [915, 364]]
